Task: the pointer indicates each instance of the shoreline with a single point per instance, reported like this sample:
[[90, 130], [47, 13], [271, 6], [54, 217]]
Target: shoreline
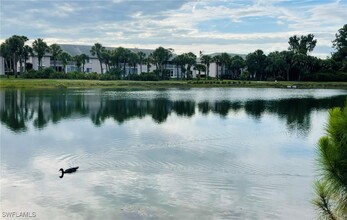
[[125, 84]]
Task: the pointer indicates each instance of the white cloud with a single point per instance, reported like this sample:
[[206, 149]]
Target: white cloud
[[185, 26]]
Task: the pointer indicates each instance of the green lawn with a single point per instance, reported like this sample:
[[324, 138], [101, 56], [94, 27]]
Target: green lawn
[[65, 83]]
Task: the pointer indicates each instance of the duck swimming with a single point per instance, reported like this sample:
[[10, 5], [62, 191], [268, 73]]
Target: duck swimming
[[69, 170]]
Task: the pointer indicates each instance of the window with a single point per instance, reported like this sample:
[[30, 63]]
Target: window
[[89, 70]]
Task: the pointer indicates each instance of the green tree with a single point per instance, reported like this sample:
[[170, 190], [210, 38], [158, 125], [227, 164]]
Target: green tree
[[78, 60], [84, 58], [340, 44], [5, 53], [55, 52], [217, 60], [41, 48], [190, 60], [14, 47], [224, 60], [302, 44], [180, 62], [106, 58], [160, 56], [142, 56], [21, 54], [27, 51], [256, 64], [288, 58], [123, 54], [64, 58], [331, 188], [97, 50], [133, 61], [236, 64], [199, 67], [149, 61], [207, 60]]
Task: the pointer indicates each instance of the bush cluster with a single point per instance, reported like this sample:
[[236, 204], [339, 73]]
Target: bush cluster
[[326, 77], [113, 74]]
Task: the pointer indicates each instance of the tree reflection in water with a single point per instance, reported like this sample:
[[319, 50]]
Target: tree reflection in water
[[18, 108]]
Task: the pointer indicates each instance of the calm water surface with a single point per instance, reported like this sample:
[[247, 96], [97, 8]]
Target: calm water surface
[[166, 154]]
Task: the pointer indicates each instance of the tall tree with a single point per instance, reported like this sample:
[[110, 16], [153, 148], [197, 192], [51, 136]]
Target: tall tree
[[256, 64], [217, 60], [207, 60], [149, 61], [288, 58], [14, 46], [21, 54], [27, 51], [340, 44], [84, 58], [160, 56], [97, 50], [142, 56], [5, 53], [236, 64], [190, 60], [302, 44], [199, 67], [133, 61], [224, 60], [64, 58], [106, 58], [41, 48], [123, 56], [331, 188], [55, 52], [78, 60]]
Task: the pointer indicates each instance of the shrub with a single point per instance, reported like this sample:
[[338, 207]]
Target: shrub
[[326, 77]]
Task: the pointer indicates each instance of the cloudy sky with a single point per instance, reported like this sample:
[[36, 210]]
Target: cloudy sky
[[235, 26]]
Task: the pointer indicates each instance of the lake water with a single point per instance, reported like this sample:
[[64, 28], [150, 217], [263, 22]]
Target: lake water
[[162, 154]]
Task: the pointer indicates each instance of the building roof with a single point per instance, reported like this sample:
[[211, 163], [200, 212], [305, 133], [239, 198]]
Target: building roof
[[74, 50]]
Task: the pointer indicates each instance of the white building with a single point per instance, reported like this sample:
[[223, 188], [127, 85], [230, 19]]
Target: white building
[[93, 65]]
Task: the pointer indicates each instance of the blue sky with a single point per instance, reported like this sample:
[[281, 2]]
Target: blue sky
[[233, 26]]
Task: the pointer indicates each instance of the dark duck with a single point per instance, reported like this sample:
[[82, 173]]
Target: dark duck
[[70, 170]]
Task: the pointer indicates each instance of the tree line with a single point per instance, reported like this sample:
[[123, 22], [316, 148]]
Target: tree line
[[293, 64]]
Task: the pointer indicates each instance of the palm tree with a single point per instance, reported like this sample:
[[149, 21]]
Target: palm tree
[[177, 61], [55, 52], [27, 51], [331, 188], [160, 56], [84, 58], [148, 62], [199, 67], [14, 46], [224, 59], [5, 53], [106, 58], [217, 60], [21, 54], [142, 56], [78, 60], [64, 58], [190, 60], [97, 50], [41, 48], [132, 61], [206, 59]]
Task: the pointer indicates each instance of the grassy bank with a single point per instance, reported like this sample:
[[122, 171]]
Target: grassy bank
[[63, 83]]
